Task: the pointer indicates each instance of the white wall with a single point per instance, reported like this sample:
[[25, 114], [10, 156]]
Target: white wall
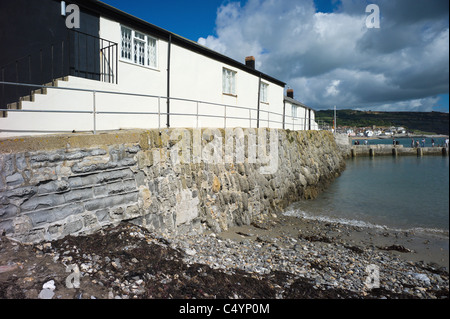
[[298, 122], [193, 76]]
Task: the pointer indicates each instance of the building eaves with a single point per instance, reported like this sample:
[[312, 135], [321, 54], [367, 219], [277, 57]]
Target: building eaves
[[298, 103], [115, 14]]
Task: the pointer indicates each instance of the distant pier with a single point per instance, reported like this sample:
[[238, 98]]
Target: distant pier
[[397, 150]]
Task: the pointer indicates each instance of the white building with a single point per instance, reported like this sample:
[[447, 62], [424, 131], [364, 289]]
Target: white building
[[368, 133], [120, 72]]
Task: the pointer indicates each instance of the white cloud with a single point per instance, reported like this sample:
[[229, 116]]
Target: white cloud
[[332, 89], [333, 59]]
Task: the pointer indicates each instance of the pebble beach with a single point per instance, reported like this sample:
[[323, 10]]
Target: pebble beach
[[281, 257]]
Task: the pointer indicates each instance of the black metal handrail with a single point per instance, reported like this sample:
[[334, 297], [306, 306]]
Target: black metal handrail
[[79, 54]]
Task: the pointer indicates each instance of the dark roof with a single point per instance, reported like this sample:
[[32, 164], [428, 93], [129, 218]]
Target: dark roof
[[115, 14], [293, 101]]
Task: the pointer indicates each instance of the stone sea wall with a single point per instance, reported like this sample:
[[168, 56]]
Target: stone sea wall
[[60, 185]]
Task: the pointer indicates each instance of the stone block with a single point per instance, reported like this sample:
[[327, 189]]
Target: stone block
[[114, 188], [42, 202], [90, 220], [53, 187], [78, 195], [8, 211], [111, 201], [102, 215], [72, 227], [82, 181], [49, 216], [14, 180], [6, 227], [77, 155], [21, 163], [21, 192], [98, 152]]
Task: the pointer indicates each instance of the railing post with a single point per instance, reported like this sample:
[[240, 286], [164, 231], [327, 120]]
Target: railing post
[[116, 61], [29, 69], [3, 90], [159, 113], [94, 113], [225, 118], [17, 79], [42, 69], [53, 75], [197, 114], [62, 58]]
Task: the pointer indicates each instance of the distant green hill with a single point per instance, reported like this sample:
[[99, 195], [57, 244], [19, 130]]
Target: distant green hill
[[430, 122]]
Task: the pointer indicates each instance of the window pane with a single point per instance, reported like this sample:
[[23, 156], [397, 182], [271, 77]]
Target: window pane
[[229, 81], [126, 44], [139, 35], [264, 92], [139, 52], [151, 53]]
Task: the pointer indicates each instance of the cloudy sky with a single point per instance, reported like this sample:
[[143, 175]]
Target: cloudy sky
[[323, 49]]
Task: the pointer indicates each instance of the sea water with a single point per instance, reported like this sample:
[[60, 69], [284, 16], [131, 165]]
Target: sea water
[[405, 192]]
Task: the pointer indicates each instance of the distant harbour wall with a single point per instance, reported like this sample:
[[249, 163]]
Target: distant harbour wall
[[398, 150], [59, 185]]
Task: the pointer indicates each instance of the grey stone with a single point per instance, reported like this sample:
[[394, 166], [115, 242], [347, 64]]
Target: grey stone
[[102, 215], [133, 149], [6, 226], [22, 192], [98, 152], [75, 155], [46, 294], [111, 201], [78, 195], [8, 211], [21, 163], [41, 202], [14, 180], [47, 216], [47, 157], [68, 210], [73, 227], [8, 164], [53, 187], [90, 221]]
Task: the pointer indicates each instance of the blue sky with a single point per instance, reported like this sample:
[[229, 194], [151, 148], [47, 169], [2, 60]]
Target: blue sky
[[330, 58]]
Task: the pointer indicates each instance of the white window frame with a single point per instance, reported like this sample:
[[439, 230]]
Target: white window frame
[[294, 111], [264, 96], [229, 82], [143, 39]]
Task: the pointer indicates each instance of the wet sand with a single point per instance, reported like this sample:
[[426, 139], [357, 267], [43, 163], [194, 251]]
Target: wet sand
[[411, 245]]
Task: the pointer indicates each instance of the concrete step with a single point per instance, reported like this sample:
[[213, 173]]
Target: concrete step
[[40, 91], [28, 98], [31, 97], [15, 106]]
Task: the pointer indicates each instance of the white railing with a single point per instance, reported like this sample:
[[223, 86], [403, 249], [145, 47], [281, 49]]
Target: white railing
[[222, 111]]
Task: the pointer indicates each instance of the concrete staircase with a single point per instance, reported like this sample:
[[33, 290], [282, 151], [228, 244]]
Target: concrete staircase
[[31, 98]]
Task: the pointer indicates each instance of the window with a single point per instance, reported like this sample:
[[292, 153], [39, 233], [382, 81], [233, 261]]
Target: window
[[126, 44], [228, 82], [294, 111], [138, 48], [264, 93]]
